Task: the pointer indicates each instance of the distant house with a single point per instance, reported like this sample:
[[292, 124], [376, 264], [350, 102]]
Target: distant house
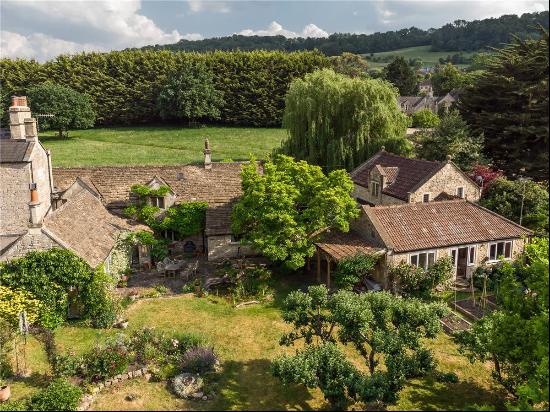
[[387, 179], [35, 215], [421, 233], [436, 104]]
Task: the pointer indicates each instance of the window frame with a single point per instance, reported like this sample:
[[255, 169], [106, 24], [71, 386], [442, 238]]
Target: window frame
[[417, 255], [471, 260], [155, 200], [375, 185], [424, 197], [458, 189], [495, 244]]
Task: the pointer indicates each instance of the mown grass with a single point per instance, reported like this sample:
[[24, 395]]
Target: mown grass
[[429, 58], [246, 340], [158, 145]]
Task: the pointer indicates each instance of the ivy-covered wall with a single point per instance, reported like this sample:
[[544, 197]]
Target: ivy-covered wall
[[120, 257]]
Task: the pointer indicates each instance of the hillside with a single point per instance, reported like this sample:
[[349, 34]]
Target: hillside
[[424, 53], [459, 35]]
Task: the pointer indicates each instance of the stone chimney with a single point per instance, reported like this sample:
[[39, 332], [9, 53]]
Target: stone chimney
[[19, 111], [31, 133], [207, 157]]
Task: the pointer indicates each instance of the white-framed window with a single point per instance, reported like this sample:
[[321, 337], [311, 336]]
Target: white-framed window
[[460, 192], [423, 259], [375, 188], [426, 197], [157, 201], [500, 249], [454, 257], [471, 255]]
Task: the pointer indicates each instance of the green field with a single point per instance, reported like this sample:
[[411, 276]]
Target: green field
[[158, 145], [428, 57]]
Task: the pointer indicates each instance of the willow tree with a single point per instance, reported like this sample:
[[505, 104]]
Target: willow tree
[[337, 122]]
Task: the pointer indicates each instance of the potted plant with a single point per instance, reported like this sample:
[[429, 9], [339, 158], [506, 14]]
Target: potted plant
[[5, 391]]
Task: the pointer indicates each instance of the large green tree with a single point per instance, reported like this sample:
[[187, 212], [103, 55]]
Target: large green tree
[[402, 76], [382, 328], [70, 109], [515, 338], [509, 104], [284, 209], [190, 94], [506, 197], [338, 122], [451, 137], [448, 77]]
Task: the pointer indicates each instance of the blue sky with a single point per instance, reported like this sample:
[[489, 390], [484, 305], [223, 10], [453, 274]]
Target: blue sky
[[43, 29]]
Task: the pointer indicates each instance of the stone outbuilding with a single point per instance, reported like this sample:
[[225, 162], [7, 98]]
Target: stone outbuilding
[[387, 179]]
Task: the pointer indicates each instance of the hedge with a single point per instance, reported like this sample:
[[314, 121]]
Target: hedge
[[124, 85]]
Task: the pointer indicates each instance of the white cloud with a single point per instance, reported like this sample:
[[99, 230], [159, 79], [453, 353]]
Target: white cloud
[[275, 29], [108, 25], [197, 6], [193, 36], [39, 46]]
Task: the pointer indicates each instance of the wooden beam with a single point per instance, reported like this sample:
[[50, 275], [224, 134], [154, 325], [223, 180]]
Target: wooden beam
[[328, 272], [318, 266]]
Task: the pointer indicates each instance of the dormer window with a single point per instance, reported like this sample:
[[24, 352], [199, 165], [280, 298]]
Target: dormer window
[[157, 201]]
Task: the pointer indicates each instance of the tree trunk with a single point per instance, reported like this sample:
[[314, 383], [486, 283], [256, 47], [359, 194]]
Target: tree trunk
[[372, 362]]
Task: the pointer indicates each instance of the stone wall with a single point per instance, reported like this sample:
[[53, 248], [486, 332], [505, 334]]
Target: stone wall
[[14, 197], [35, 239], [448, 179], [41, 176], [481, 258], [223, 247], [366, 229]]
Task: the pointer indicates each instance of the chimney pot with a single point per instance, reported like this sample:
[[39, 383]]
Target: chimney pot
[[19, 101]]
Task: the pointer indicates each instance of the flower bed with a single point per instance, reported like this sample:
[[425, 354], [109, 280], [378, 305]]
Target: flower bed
[[453, 323], [474, 311]]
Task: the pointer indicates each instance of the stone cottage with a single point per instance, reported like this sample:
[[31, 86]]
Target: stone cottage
[[218, 184], [420, 233], [387, 179], [35, 215], [436, 104]]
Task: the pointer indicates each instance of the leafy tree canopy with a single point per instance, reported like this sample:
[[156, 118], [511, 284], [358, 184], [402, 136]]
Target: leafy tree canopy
[[515, 338], [70, 109], [402, 76], [283, 210], [338, 122], [448, 77], [380, 326], [451, 137], [425, 119], [352, 65], [509, 104], [353, 269], [506, 196], [190, 94]]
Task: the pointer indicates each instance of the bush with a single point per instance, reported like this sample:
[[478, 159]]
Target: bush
[[19, 405], [67, 365], [424, 118], [105, 362], [199, 360], [446, 377], [7, 335], [60, 395], [413, 281], [353, 269], [102, 308]]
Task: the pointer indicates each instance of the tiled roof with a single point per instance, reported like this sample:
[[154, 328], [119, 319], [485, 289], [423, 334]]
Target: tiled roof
[[219, 186], [418, 226], [190, 182], [407, 174], [339, 245], [83, 225], [15, 151]]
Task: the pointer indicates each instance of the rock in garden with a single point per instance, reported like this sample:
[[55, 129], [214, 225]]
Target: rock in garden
[[188, 385]]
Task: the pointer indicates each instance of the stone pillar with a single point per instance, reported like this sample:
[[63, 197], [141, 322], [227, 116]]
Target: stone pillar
[[18, 111], [207, 157]]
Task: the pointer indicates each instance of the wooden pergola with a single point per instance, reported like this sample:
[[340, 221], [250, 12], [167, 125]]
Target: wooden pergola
[[338, 245]]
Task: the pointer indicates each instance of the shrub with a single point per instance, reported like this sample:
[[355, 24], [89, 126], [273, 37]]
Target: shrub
[[19, 405], [7, 335], [353, 269], [413, 281], [67, 365], [424, 118], [102, 308], [105, 362], [199, 360], [184, 385], [163, 290], [60, 395], [446, 377]]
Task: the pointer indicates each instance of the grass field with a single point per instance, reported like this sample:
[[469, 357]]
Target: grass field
[[158, 145], [246, 340], [428, 57]]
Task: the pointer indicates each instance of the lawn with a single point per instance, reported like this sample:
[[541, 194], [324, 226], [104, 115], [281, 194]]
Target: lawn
[[158, 145], [246, 339], [428, 57]]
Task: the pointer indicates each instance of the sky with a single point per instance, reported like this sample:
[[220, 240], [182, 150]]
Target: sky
[[43, 29]]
